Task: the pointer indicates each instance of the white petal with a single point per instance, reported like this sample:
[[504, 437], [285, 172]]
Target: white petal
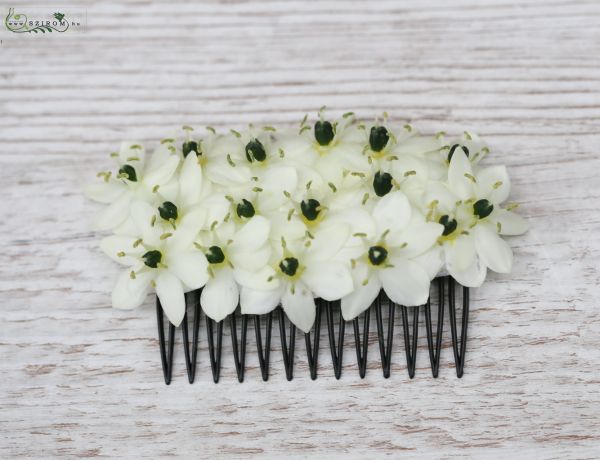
[[252, 235], [329, 280], [406, 283], [419, 237], [114, 244], [190, 181], [328, 241], [277, 179], [187, 230], [220, 296], [190, 267], [170, 292], [105, 192], [162, 173], [249, 260], [460, 253], [472, 276], [114, 214], [255, 302], [392, 212], [363, 296], [510, 223], [262, 278], [493, 183], [458, 182], [299, 306], [492, 249], [142, 214], [130, 293], [432, 261]]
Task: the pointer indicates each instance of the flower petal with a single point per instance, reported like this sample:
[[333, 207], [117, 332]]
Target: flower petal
[[255, 302], [327, 242], [220, 296], [418, 237], [406, 283], [472, 276], [460, 253], [190, 181], [162, 173], [143, 214], [329, 280], [114, 214], [190, 267], [492, 249], [262, 278], [115, 244], [361, 298], [510, 223], [130, 293], [105, 192], [392, 212], [252, 235], [170, 293], [187, 230], [299, 306], [460, 175], [493, 183]]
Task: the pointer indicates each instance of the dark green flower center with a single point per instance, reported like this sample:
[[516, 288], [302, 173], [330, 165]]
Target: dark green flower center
[[168, 211], [377, 255], [190, 146], [152, 258], [310, 208], [324, 133], [255, 151], [453, 149], [129, 171], [482, 208], [378, 138], [245, 209], [449, 225], [215, 255], [382, 183], [289, 266]]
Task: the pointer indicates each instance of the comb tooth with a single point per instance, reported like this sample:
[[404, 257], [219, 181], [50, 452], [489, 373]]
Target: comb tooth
[[214, 352], [190, 368], [166, 356], [336, 350], [195, 333], [239, 348], [410, 348], [434, 350], [362, 348], [312, 350], [263, 352], [458, 345], [385, 344], [288, 351]]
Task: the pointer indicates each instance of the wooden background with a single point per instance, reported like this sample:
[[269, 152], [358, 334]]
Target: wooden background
[[80, 379]]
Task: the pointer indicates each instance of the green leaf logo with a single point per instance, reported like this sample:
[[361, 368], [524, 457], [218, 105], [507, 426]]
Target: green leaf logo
[[59, 16]]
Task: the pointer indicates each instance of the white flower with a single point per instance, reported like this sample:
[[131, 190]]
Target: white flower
[[165, 260], [235, 257], [304, 270], [134, 181], [387, 257], [469, 208]]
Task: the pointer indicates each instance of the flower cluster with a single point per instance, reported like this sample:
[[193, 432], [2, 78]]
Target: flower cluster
[[333, 210]]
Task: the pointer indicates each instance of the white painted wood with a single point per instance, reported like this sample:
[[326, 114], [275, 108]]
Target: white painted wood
[[80, 379]]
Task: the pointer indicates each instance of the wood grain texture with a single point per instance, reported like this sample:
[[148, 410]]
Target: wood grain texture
[[80, 379]]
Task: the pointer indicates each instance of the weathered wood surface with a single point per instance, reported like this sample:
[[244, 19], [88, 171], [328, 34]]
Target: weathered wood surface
[[81, 379]]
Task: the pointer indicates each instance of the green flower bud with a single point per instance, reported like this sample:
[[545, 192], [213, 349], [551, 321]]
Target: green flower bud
[[310, 208], [215, 255], [382, 183], [482, 208], [255, 151], [190, 146], [245, 209], [324, 132], [378, 138], [152, 258], [377, 255], [129, 171], [168, 211], [449, 225], [289, 266], [454, 147]]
